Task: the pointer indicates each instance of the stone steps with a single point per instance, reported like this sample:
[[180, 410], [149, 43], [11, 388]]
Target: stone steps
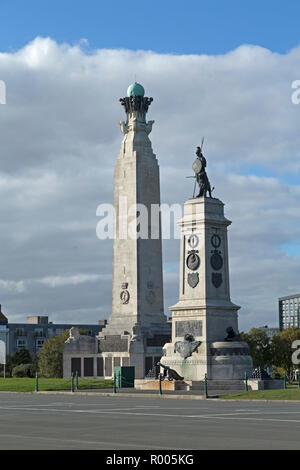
[[213, 386], [228, 385], [217, 393]]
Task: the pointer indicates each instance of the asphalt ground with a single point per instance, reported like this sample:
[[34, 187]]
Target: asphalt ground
[[83, 422]]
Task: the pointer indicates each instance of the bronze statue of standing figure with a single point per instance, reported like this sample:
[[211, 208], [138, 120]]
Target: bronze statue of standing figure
[[199, 166]]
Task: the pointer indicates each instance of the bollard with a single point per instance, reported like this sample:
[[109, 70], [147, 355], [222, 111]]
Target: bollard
[[72, 383], [159, 383], [284, 381], [246, 382], [205, 386], [36, 383], [76, 375], [115, 388]]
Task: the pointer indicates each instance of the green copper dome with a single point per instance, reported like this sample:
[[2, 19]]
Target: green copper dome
[[135, 89]]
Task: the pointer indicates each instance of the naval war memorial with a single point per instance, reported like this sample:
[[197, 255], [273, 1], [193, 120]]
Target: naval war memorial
[[202, 340]]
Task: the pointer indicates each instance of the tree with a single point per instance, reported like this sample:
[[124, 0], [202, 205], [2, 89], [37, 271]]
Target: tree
[[51, 356], [21, 357], [281, 348], [259, 345]]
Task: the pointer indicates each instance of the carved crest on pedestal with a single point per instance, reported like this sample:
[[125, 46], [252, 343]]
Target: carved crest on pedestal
[[187, 347], [124, 296], [216, 279], [193, 279]]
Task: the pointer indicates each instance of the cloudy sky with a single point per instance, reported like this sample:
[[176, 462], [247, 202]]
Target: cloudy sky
[[60, 137]]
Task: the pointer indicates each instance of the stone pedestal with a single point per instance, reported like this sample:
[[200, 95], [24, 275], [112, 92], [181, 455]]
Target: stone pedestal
[[204, 321]]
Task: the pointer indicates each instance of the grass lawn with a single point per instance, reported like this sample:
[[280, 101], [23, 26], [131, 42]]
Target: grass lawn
[[28, 385], [291, 393]]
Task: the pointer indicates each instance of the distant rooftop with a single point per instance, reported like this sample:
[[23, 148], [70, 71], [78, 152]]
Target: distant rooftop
[[3, 319], [36, 319], [287, 297]]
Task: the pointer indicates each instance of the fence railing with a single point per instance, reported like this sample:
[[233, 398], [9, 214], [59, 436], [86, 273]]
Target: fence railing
[[73, 384]]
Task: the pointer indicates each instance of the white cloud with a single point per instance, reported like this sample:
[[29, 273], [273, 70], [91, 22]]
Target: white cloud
[[12, 286], [59, 139], [51, 281], [59, 281]]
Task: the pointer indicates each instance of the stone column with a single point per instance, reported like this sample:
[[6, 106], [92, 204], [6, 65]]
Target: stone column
[[137, 290], [204, 313]]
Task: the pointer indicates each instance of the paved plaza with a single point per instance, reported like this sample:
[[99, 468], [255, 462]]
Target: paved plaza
[[33, 421]]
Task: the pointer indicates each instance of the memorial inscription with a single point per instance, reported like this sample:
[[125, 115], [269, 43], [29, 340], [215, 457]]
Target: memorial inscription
[[193, 327]]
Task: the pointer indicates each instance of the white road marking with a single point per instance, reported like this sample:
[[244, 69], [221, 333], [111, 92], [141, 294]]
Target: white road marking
[[74, 410], [146, 406], [77, 441], [133, 412], [258, 411], [131, 408]]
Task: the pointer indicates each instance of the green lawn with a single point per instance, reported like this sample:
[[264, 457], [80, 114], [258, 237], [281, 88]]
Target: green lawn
[[28, 385], [291, 393]]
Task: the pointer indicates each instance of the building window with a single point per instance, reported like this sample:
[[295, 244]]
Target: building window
[[100, 366], [39, 344], [88, 364], [76, 365], [21, 343], [38, 332], [20, 332]]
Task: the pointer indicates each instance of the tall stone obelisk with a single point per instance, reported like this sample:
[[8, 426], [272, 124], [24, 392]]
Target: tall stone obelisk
[[137, 287], [137, 328]]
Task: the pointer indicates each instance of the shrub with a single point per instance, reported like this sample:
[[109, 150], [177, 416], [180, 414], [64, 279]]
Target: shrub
[[24, 370], [277, 372]]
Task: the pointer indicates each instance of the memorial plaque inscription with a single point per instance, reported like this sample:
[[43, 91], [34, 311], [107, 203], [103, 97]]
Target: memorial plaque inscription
[[193, 327]]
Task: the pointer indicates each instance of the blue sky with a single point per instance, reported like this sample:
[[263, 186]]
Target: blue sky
[[63, 102], [190, 27]]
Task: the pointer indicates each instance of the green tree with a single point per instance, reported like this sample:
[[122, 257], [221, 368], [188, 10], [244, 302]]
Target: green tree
[[50, 361], [281, 348], [21, 357], [259, 345]]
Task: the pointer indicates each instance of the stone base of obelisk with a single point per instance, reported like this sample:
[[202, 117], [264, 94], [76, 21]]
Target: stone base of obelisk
[[219, 361]]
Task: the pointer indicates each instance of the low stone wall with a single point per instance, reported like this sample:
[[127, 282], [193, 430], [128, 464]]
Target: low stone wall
[[258, 384], [150, 384], [212, 385]]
